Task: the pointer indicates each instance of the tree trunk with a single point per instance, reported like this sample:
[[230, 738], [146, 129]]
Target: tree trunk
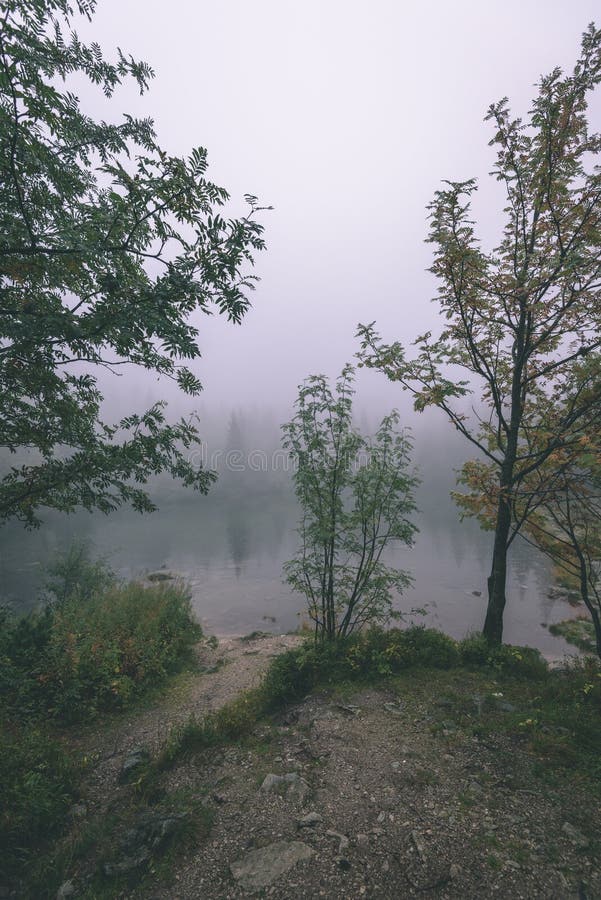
[[493, 624], [588, 602]]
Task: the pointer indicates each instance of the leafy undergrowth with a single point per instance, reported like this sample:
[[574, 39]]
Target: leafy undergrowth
[[557, 712], [580, 632], [557, 718], [99, 646], [471, 689], [94, 848]]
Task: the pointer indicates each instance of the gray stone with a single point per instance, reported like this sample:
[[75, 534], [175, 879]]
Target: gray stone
[[134, 762], [310, 820], [160, 576], [394, 708], [126, 864], [260, 868], [67, 889], [292, 781], [505, 706], [474, 788], [478, 701], [341, 838], [79, 811], [362, 840], [575, 835], [151, 832]]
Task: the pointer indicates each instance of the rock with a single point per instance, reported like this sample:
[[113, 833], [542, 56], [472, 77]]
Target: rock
[[148, 836], [454, 871], [419, 846], [474, 788], [575, 835], [260, 868], [67, 889], [505, 706], [477, 593], [292, 780], [394, 708], [219, 798], [125, 865], [310, 820], [362, 840], [342, 839], [134, 762], [160, 576], [151, 832], [348, 708], [79, 811], [478, 701]]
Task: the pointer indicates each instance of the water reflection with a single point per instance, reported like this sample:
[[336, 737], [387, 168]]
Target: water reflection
[[231, 550]]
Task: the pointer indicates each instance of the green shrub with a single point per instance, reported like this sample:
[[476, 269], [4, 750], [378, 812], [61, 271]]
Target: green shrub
[[524, 662], [295, 673], [76, 575], [429, 647], [106, 651], [94, 650], [580, 632], [38, 786]]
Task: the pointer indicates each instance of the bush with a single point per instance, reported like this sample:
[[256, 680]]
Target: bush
[[38, 786], [373, 653], [524, 662], [431, 648], [98, 647], [580, 632]]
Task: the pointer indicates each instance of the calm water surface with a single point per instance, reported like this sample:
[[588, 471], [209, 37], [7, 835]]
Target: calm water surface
[[231, 545]]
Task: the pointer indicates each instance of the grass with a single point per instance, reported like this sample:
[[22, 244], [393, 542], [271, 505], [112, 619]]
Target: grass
[[468, 688], [99, 647], [93, 846], [580, 632], [38, 785], [558, 714], [77, 657], [479, 692]]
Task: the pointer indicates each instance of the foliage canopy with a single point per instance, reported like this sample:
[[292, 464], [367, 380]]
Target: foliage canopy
[[356, 495], [519, 320], [108, 247]]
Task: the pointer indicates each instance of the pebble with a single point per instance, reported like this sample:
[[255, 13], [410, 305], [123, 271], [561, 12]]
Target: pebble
[[310, 820]]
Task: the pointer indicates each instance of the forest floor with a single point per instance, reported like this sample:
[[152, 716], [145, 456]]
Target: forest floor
[[423, 786]]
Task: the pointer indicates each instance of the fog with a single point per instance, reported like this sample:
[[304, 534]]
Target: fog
[[345, 117]]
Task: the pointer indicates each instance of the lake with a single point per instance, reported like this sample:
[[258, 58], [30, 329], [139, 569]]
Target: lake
[[230, 547]]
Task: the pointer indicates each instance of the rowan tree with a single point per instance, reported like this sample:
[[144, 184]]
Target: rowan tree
[[108, 247], [518, 318], [356, 496]]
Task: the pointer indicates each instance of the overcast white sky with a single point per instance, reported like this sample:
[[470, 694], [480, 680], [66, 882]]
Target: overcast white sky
[[345, 116]]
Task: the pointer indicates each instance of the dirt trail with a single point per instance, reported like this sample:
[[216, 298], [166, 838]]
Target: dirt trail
[[235, 665], [404, 790]]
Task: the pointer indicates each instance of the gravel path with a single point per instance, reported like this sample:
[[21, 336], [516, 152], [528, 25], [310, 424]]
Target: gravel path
[[399, 791]]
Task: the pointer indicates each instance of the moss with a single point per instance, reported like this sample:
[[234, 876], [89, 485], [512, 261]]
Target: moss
[[580, 632]]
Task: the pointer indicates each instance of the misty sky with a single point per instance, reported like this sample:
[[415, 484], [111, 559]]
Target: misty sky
[[345, 116]]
